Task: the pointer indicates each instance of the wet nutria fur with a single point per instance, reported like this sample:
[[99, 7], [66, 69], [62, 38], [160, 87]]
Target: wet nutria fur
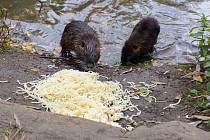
[[141, 41], [80, 41]]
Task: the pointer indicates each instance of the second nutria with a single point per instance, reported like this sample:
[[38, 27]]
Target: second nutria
[[141, 41], [80, 41]]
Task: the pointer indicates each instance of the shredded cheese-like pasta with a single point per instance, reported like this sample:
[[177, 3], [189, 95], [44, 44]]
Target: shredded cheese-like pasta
[[80, 94]]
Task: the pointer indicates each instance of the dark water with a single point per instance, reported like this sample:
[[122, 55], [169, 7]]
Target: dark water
[[112, 19]]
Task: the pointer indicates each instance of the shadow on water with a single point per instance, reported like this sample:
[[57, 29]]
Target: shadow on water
[[112, 19]]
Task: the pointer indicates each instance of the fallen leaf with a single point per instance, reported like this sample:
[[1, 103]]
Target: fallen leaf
[[16, 17], [32, 13], [179, 69], [35, 69], [29, 46], [195, 75], [154, 62], [26, 33], [197, 78], [200, 117]]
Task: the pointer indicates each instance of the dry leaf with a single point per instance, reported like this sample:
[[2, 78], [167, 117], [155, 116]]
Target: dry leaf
[[197, 78], [16, 17], [200, 117], [29, 46], [196, 75], [35, 69], [179, 69]]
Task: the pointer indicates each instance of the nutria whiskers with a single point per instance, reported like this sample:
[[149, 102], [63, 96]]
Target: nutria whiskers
[[80, 41], [141, 41]]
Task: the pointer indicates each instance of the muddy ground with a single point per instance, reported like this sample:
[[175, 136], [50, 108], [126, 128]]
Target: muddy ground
[[26, 67]]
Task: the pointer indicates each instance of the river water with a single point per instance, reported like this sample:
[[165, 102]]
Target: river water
[[112, 19]]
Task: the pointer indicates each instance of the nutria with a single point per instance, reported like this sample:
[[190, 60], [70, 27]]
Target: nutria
[[80, 41], [141, 41]]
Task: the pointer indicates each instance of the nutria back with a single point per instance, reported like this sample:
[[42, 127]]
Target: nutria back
[[141, 41], [80, 41]]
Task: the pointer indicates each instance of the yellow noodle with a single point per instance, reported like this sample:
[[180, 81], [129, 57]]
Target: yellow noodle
[[80, 94]]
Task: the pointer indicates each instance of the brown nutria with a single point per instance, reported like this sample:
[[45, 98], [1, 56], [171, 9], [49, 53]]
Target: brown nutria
[[141, 41], [80, 41]]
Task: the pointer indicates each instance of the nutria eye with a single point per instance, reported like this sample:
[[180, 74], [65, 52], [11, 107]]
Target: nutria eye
[[135, 47]]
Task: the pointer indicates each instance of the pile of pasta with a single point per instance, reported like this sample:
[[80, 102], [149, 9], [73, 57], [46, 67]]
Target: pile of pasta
[[80, 94]]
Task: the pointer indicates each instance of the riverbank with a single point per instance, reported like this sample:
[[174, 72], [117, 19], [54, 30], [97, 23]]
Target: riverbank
[[171, 86]]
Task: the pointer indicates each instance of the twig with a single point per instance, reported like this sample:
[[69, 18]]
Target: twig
[[8, 99], [4, 81], [127, 71], [172, 105], [201, 96], [166, 72], [17, 121]]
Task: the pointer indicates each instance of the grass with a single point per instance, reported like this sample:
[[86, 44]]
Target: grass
[[196, 95], [13, 133], [143, 63], [201, 37]]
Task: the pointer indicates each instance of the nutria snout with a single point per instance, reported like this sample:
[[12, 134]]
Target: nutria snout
[[141, 41], [80, 41]]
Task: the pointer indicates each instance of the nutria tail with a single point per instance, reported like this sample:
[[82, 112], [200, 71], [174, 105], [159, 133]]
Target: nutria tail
[[80, 41], [141, 41]]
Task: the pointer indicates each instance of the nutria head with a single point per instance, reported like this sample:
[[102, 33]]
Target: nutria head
[[141, 41], [91, 51], [130, 53]]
